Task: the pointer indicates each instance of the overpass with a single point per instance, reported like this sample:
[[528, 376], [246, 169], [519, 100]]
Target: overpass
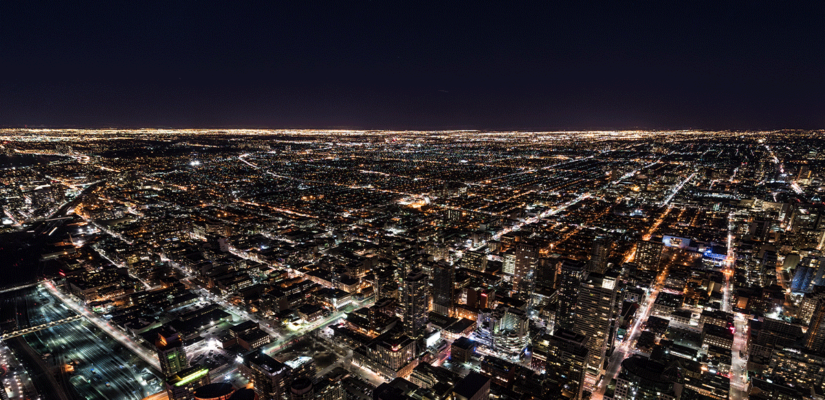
[[24, 331], [18, 287]]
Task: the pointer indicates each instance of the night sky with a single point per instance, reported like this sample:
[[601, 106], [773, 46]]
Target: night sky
[[404, 65]]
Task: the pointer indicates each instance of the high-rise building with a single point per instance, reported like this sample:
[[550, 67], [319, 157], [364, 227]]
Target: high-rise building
[[182, 384], [268, 376], [443, 280], [569, 278], [563, 357], [416, 304], [648, 255], [598, 255], [546, 275], [815, 337], [641, 378], [594, 316], [171, 354], [527, 255]]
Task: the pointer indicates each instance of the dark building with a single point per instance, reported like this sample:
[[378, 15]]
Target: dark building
[[563, 356], [462, 350], [301, 389], [641, 378], [598, 255], [214, 391], [815, 337], [443, 280], [474, 386], [571, 274]]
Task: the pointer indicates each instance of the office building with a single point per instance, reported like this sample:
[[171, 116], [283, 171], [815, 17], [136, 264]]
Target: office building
[[474, 386], [595, 310], [563, 357], [443, 280], [268, 376], [475, 260], [172, 357], [416, 304], [570, 276], [641, 378], [815, 336], [527, 255], [649, 255], [598, 255], [182, 384]]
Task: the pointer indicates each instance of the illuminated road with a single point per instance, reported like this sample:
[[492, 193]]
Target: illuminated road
[[677, 189], [624, 350], [738, 383]]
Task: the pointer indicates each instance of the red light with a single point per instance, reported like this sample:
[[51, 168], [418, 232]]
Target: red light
[[62, 273]]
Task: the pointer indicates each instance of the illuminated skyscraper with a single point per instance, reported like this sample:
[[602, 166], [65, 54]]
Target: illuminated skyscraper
[[416, 304], [594, 315], [527, 255]]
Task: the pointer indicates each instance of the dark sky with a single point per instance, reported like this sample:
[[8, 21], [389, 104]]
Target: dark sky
[[400, 64]]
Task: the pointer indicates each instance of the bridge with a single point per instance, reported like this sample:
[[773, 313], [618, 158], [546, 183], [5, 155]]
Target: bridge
[[18, 287], [20, 332]]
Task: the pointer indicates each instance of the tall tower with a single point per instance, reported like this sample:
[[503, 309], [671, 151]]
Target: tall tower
[[527, 255], [648, 255], [416, 304], [570, 277], [598, 255], [443, 278], [815, 337], [171, 355], [594, 314]]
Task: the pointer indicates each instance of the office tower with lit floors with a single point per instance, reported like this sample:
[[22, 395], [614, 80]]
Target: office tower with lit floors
[[649, 254], [570, 276], [443, 280], [526, 257], [415, 301], [563, 357], [268, 376], [595, 310], [475, 260], [172, 357]]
